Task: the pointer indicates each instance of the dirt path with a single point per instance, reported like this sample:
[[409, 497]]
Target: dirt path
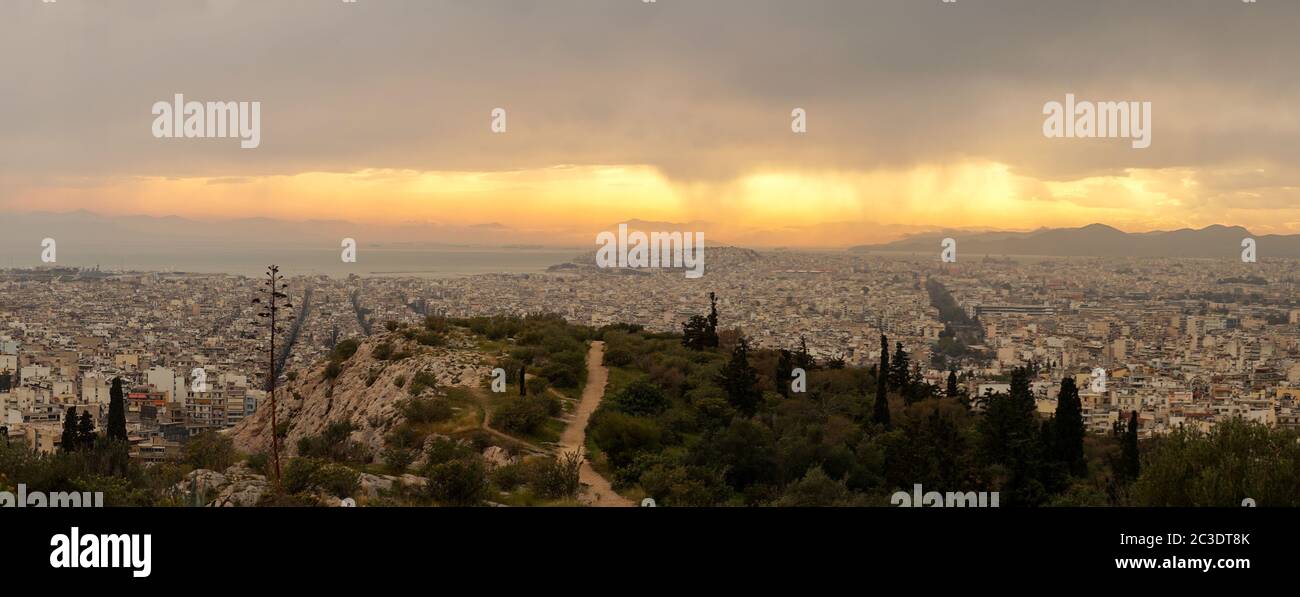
[[597, 490]]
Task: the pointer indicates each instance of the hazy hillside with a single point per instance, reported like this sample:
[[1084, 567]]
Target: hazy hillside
[[1099, 240]]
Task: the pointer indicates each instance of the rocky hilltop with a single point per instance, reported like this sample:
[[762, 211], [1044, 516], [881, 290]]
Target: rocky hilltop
[[363, 383]]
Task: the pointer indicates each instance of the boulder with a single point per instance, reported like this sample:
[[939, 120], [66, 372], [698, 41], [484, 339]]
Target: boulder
[[496, 457], [371, 485]]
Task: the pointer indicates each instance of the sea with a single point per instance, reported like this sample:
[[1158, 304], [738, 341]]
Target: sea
[[430, 262]]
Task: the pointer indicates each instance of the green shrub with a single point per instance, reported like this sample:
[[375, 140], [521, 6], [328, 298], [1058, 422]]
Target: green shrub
[[404, 435], [554, 407], [344, 350], [641, 398], [333, 369], [537, 386], [617, 356], [209, 450], [310, 475], [557, 478], [520, 415], [621, 436], [334, 444], [509, 477], [382, 352], [421, 381], [397, 459], [437, 324], [564, 371], [442, 450], [459, 482], [424, 410], [430, 338], [258, 463]]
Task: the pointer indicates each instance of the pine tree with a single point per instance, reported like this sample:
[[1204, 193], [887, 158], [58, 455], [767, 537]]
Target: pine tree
[[116, 412], [1022, 397], [1010, 425], [711, 337], [740, 381], [1012, 437], [917, 388], [86, 430], [803, 358], [784, 372], [695, 333], [69, 440], [1131, 462], [1069, 430], [898, 370], [880, 413]]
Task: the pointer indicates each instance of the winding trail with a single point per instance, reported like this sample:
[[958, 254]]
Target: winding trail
[[596, 491]]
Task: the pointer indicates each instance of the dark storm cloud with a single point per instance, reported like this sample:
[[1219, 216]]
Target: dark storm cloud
[[702, 89]]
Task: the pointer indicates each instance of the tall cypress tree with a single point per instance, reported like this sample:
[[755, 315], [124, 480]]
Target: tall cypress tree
[[711, 338], [116, 412], [880, 412], [784, 371], [804, 358], [898, 370], [739, 380], [952, 384], [1022, 398], [69, 440], [1131, 462], [523, 388], [1069, 428]]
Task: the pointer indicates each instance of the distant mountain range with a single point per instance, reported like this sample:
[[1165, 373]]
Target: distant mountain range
[[1100, 240]]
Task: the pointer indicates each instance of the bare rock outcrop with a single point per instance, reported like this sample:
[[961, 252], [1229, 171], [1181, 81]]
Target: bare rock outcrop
[[365, 392], [238, 486]]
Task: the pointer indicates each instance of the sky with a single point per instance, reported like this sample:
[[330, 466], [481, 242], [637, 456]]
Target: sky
[[920, 114]]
